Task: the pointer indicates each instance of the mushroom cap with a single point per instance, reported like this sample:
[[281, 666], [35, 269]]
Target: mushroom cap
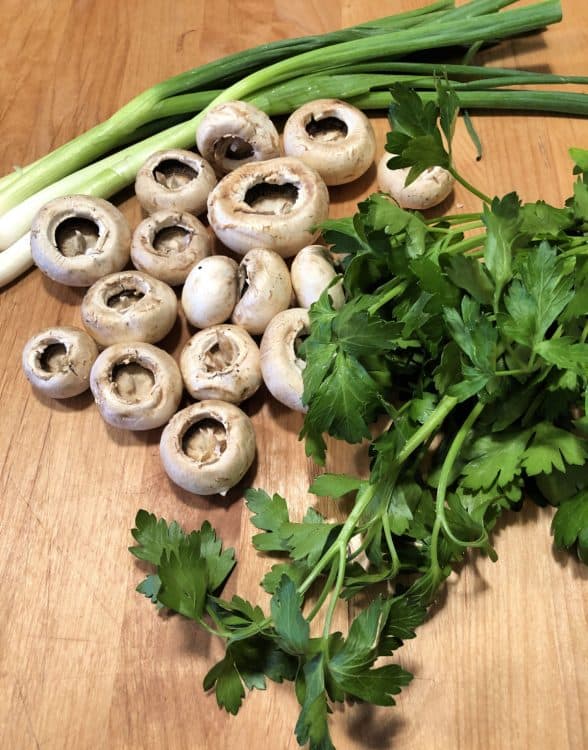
[[429, 189], [78, 239], [211, 291], [264, 276], [174, 179], [233, 128], [168, 244], [136, 386], [129, 306], [311, 272], [332, 136], [215, 457], [57, 361], [221, 362], [274, 204], [280, 366]]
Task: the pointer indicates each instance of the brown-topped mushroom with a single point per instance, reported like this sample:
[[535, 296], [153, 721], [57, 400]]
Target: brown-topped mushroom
[[276, 204], [78, 239], [208, 447]]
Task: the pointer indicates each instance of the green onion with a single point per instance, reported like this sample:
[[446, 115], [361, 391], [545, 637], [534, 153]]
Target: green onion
[[107, 135], [350, 64], [432, 27]]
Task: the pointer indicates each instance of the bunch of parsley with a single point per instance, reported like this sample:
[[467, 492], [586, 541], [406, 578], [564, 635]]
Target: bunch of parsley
[[466, 336]]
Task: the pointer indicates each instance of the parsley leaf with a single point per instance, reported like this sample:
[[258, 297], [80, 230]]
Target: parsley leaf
[[293, 630], [552, 447], [334, 485], [570, 524], [303, 541], [179, 556], [184, 581], [312, 724], [502, 222], [154, 537]]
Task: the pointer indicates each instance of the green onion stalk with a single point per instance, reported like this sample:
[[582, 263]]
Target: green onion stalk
[[107, 135], [142, 110], [358, 69]]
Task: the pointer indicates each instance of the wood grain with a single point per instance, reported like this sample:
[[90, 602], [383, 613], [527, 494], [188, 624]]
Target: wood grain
[[84, 661]]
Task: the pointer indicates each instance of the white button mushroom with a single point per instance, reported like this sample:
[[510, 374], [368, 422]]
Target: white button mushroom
[[429, 189], [77, 239], [136, 386], [221, 362], [332, 136], [129, 306], [265, 287], [312, 271], [208, 447], [211, 291], [168, 244], [281, 366], [275, 204], [174, 179], [57, 361], [235, 133]]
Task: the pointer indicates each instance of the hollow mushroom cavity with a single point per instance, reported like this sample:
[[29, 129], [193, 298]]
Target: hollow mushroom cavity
[[57, 361], [211, 291], [275, 204], [168, 244], [235, 133], [129, 306], [429, 189], [281, 366], [265, 289], [136, 386], [176, 180], [332, 136], [208, 447], [312, 271], [221, 362], [78, 239]]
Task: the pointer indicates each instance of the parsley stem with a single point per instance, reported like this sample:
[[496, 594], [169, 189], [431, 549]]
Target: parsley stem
[[221, 632], [324, 593], [470, 243], [364, 544], [398, 288], [444, 476], [520, 371], [454, 219], [466, 226], [391, 546], [336, 591], [362, 500], [365, 496], [468, 186]]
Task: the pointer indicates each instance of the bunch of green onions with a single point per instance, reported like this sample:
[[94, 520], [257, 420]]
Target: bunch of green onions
[[357, 64]]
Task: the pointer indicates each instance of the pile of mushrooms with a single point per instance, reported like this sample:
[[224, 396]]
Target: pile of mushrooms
[[249, 306]]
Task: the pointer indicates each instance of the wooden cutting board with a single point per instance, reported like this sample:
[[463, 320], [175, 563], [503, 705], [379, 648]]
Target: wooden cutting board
[[87, 663]]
